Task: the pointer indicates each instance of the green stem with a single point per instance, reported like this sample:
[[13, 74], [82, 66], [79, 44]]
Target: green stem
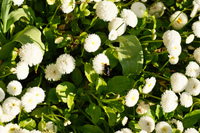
[[193, 105], [110, 100], [145, 36], [156, 75], [152, 41], [54, 14], [129, 3], [163, 66], [151, 96], [54, 115], [5, 75]]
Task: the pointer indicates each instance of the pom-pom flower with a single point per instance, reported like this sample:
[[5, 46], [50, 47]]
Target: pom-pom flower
[[132, 98], [112, 35], [14, 88], [169, 101], [157, 9], [163, 127], [106, 10], [118, 25], [65, 63], [174, 49], [29, 101], [150, 83], [197, 54], [31, 54], [12, 128], [52, 73], [99, 63], [67, 7], [193, 86], [18, 2], [179, 124], [191, 130], [170, 37], [142, 108], [21, 70], [92, 43], [186, 99], [173, 59], [178, 82], [196, 28], [146, 123], [139, 9], [192, 69], [38, 93], [178, 20], [129, 17], [2, 94]]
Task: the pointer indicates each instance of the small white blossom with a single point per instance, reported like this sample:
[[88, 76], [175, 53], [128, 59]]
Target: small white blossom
[[118, 25], [191, 130], [132, 98], [12, 128], [163, 127], [52, 73], [67, 7], [179, 124], [18, 2], [67, 122], [14, 88], [112, 35], [3, 129], [2, 94], [192, 69], [142, 108], [124, 120], [178, 20], [171, 37], [38, 93], [196, 28], [51, 2], [139, 9], [157, 9], [186, 99], [29, 101], [146, 123], [51, 126], [189, 39], [7, 117], [150, 83], [129, 17], [11, 106], [197, 54], [58, 40], [173, 59], [22, 70], [193, 86], [174, 49], [92, 43]]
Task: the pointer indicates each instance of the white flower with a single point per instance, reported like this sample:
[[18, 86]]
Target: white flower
[[192, 69], [191, 130], [106, 10], [58, 40], [186, 99], [150, 83], [7, 117], [65, 63], [178, 20], [142, 108], [143, 131], [51, 126], [2, 94], [197, 54], [51, 2], [157, 9], [3, 129], [129, 17], [12, 106], [132, 98], [179, 124], [173, 59], [1, 111], [139, 9], [118, 25], [124, 120], [29, 101], [23, 131], [174, 49], [112, 35], [31, 54], [99, 62], [126, 130], [67, 6], [92, 43], [35, 131], [169, 101], [67, 122], [14, 88], [146, 123], [12, 128], [196, 28], [52, 73], [22, 70], [189, 39], [196, 5], [38, 93], [193, 86], [18, 2], [163, 127], [178, 82], [171, 37]]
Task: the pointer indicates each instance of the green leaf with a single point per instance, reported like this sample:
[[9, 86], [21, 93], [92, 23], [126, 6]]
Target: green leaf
[[52, 96], [75, 27], [37, 113], [191, 118], [112, 55], [77, 76], [130, 55], [83, 6], [112, 117], [90, 73], [42, 125], [94, 111], [159, 111], [66, 92], [5, 8], [118, 84], [101, 85], [28, 124], [117, 106], [90, 129]]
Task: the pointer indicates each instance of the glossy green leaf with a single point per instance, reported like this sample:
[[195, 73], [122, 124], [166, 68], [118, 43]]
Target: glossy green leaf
[[112, 55], [5, 8], [117, 106], [90, 129], [101, 85], [191, 118], [159, 111], [77, 76], [130, 55], [112, 117], [94, 111], [42, 125], [90, 73], [29, 124]]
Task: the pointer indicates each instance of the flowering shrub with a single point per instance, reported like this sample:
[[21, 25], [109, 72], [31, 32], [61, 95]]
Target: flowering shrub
[[99, 66]]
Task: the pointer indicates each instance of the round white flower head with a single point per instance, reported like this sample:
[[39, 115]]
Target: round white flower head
[[163, 127], [132, 98], [14, 88], [31, 54], [196, 28], [51, 2], [12, 128], [124, 120], [178, 20], [29, 101], [106, 10], [22, 70], [173, 59], [7, 117], [169, 101], [67, 7], [1, 111], [143, 131], [193, 86], [38, 93], [197, 54], [58, 40], [92, 43], [146, 123], [174, 49], [2, 94], [139, 9], [67, 122], [126, 130], [189, 39], [65, 63], [118, 25], [179, 124], [35, 131], [18, 2], [192, 69], [119, 131], [52, 73], [99, 62], [129, 17], [23, 131], [186, 99], [170, 37], [150, 83], [157, 9], [196, 6], [191, 130], [112, 35], [178, 82], [51, 126], [142, 108], [3, 129], [12, 106]]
